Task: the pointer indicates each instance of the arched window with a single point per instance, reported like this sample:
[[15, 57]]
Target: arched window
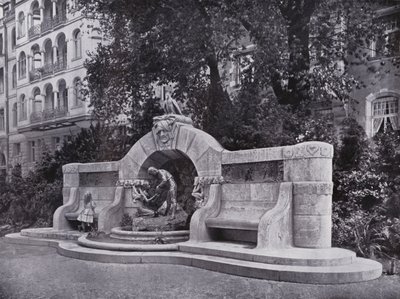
[[13, 39], [77, 85], [385, 114], [21, 25], [77, 40], [22, 65], [14, 77], [15, 115], [2, 120], [23, 105]]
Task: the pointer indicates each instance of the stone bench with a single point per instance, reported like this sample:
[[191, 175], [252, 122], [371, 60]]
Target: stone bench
[[243, 206], [100, 205]]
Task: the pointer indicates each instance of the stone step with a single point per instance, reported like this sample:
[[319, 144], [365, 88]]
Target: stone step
[[50, 233], [289, 256]]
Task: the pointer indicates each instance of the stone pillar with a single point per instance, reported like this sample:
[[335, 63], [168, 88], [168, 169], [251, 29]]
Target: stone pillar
[[55, 99], [42, 58], [29, 21], [41, 13], [30, 108], [54, 54], [43, 99], [309, 166], [29, 63], [54, 2]]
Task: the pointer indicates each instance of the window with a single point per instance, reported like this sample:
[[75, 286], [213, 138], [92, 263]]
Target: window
[[16, 149], [33, 151], [21, 25], [1, 80], [77, 40], [56, 143], [385, 112], [23, 105], [13, 39], [15, 115], [14, 77], [77, 92], [1, 44], [22, 65], [2, 123]]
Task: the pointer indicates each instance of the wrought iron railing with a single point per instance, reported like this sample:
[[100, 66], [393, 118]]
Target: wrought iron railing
[[59, 19], [35, 74], [36, 117], [60, 65], [47, 70], [46, 25], [34, 31], [48, 114]]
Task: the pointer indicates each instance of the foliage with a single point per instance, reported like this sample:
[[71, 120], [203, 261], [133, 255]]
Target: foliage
[[299, 53], [34, 198], [126, 221]]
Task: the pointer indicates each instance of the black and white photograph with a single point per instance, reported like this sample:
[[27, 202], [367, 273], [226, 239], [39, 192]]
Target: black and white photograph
[[199, 149]]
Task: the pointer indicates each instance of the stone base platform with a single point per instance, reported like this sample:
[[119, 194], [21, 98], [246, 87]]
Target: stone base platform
[[329, 266], [50, 233], [147, 236]]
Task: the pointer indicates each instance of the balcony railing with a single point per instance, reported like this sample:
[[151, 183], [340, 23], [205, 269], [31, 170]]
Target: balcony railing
[[48, 114], [36, 117], [46, 25], [35, 74], [48, 69], [34, 31], [60, 65], [59, 19]]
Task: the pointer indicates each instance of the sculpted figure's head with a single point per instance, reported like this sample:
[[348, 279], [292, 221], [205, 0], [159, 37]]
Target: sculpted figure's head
[[163, 131], [152, 170]]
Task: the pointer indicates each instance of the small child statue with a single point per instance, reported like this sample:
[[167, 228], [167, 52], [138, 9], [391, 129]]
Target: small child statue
[[87, 214]]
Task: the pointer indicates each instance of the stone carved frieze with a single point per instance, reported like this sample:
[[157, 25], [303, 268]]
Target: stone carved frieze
[[131, 183], [98, 179], [254, 172], [307, 150], [70, 168]]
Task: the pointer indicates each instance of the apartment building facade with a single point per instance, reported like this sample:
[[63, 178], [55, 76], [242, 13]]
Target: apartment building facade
[[43, 45]]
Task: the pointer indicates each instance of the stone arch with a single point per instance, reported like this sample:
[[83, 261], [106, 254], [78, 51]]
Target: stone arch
[[186, 141]]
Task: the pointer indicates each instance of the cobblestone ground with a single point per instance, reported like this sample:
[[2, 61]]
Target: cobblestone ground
[[39, 272]]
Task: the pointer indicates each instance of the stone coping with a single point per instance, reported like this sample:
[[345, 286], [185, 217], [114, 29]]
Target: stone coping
[[92, 167], [285, 256], [118, 230], [84, 241], [304, 150]]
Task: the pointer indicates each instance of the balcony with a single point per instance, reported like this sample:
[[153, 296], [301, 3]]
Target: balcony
[[60, 65], [48, 114], [59, 19], [34, 31], [47, 25], [35, 74], [47, 70]]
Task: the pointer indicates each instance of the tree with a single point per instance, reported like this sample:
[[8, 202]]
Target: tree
[[301, 49]]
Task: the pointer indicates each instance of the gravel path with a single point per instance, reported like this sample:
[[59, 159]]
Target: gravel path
[[39, 272]]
